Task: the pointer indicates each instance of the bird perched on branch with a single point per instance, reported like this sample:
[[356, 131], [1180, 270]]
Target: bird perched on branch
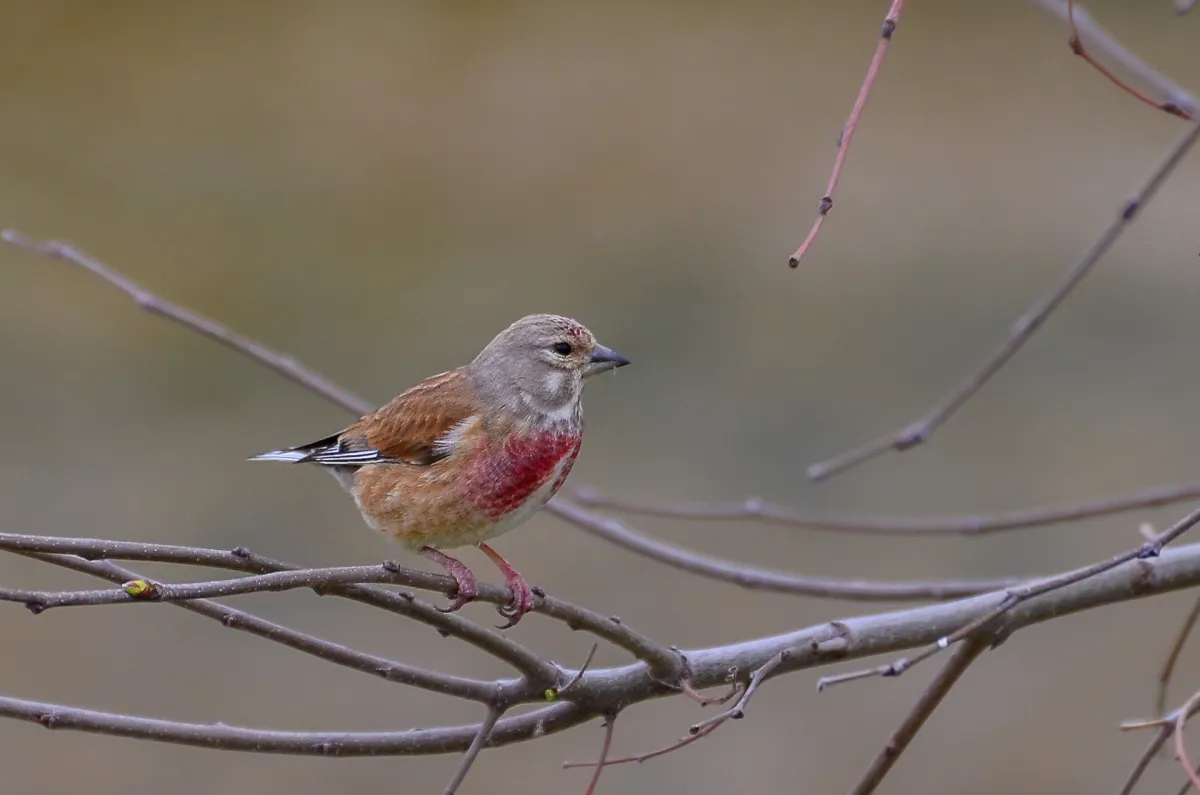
[[467, 455]]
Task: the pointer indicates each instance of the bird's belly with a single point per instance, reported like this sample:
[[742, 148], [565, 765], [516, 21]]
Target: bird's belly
[[491, 495]]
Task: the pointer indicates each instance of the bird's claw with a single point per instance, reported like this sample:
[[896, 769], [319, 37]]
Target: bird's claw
[[522, 601], [466, 589]]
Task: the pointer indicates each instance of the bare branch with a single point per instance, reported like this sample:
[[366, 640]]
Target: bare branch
[[284, 365], [756, 578], [242, 559], [608, 690], [968, 525], [955, 667], [481, 738], [1015, 596], [851, 126], [1020, 332]]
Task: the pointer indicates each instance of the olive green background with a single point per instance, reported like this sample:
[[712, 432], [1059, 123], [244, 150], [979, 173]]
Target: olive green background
[[378, 188]]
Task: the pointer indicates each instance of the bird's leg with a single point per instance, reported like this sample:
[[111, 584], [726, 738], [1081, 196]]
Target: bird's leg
[[468, 587], [522, 594]]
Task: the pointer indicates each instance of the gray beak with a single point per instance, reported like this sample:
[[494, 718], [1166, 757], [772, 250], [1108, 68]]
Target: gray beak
[[604, 359]]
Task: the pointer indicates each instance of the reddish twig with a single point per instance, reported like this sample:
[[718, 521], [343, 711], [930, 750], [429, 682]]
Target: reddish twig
[[1076, 44], [975, 524], [610, 723], [851, 126], [1180, 744], [919, 431], [704, 728]]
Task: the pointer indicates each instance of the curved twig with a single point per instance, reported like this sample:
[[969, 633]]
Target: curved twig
[[1020, 332], [762, 579], [968, 525]]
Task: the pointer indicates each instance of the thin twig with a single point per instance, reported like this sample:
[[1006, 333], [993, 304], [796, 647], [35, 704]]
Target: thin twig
[[578, 677], [281, 363], [1168, 669], [1166, 725], [954, 668], [1143, 762], [704, 728], [610, 723], [968, 525], [756, 578], [1023, 593], [1020, 332], [851, 126], [1077, 47], [481, 738], [1175, 100]]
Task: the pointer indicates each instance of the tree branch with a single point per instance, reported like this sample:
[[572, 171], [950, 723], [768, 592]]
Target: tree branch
[[604, 691]]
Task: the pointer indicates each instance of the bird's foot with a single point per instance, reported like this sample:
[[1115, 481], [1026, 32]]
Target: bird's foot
[[466, 586], [522, 593]]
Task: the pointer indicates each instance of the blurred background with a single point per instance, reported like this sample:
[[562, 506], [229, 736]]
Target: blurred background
[[378, 188]]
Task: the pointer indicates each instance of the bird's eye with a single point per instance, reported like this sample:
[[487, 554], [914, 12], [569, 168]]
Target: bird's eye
[[562, 348]]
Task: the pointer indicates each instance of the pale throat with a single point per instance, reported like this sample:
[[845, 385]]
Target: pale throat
[[558, 400]]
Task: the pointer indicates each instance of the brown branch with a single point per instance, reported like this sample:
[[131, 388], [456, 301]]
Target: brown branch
[[756, 578], [1015, 596], [969, 525], [1175, 100], [1168, 669], [851, 126], [1020, 332], [955, 667]]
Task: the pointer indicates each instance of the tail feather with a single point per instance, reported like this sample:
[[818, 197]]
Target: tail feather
[[287, 456]]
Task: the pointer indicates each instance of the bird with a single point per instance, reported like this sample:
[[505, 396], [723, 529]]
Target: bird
[[469, 454]]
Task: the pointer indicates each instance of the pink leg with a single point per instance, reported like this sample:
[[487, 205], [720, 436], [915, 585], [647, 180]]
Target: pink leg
[[468, 587], [522, 594]]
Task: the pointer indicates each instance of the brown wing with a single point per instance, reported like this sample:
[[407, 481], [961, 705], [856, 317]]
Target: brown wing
[[417, 426]]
